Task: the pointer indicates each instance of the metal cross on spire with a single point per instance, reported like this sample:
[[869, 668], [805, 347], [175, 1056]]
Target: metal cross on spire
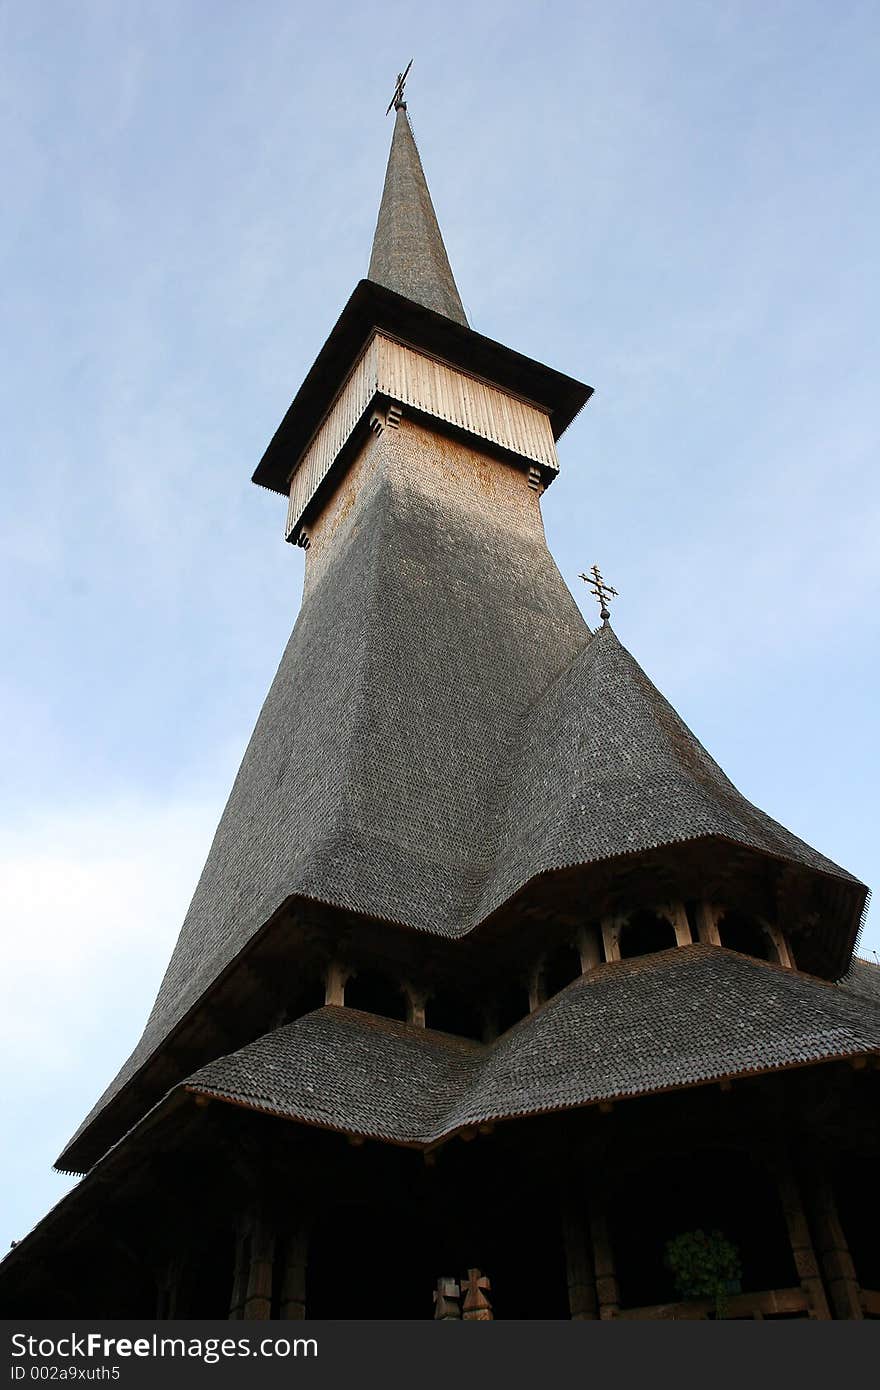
[[601, 591], [397, 100]]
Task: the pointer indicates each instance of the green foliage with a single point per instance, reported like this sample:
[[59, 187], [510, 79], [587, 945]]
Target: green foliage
[[703, 1265]]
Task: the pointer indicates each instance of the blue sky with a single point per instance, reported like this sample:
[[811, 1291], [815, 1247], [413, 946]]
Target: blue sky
[[675, 201]]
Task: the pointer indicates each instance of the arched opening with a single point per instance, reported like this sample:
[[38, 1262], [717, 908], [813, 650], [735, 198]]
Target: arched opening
[[560, 968], [644, 933], [711, 1190], [741, 933], [374, 993], [449, 1013], [513, 1004]]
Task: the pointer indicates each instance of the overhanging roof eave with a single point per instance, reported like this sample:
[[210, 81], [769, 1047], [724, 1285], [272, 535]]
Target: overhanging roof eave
[[372, 307]]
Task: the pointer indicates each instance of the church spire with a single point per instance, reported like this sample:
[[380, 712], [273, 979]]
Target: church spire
[[408, 252]]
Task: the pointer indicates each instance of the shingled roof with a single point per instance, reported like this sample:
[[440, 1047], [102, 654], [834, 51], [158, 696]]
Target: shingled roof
[[469, 753], [442, 728], [675, 1019], [606, 767], [863, 979]]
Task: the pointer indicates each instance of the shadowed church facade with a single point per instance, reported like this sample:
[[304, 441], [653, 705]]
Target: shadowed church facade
[[492, 983]]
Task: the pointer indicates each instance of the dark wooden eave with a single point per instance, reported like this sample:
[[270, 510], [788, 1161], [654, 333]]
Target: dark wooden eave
[[375, 307]]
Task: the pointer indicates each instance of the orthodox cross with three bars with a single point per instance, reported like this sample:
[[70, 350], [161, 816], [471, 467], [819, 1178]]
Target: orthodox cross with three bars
[[397, 99], [601, 591]]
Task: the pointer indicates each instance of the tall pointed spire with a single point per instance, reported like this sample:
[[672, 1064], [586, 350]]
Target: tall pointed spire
[[408, 252]]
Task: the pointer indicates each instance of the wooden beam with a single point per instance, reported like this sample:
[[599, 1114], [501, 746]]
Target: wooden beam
[[801, 1243], [832, 1246]]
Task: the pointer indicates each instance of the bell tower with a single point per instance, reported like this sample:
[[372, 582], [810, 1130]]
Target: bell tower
[[486, 941]]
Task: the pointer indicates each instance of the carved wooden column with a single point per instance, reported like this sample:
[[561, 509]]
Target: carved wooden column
[[841, 1279], [708, 915], [801, 1243], [783, 951], [536, 988], [579, 1271], [611, 929], [416, 999], [293, 1279], [607, 1291], [241, 1272], [589, 948], [258, 1294], [334, 983], [676, 915]]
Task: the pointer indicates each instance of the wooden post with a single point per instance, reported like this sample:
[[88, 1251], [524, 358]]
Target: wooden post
[[536, 988], [334, 983], [801, 1244], [446, 1305], [589, 948], [258, 1298], [611, 937], [415, 1005], [581, 1280], [293, 1283], [780, 945], [607, 1291], [241, 1273], [477, 1307], [841, 1279], [707, 924], [676, 915]]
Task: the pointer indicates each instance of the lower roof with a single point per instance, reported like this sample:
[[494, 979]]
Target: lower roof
[[674, 1019]]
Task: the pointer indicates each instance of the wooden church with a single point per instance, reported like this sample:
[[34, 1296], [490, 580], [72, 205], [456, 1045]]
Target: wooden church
[[494, 991]]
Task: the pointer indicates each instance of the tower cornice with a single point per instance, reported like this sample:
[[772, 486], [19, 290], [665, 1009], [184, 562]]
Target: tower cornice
[[373, 308]]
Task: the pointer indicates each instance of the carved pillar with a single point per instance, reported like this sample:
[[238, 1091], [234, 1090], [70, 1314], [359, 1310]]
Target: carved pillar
[[841, 1279], [607, 1291], [581, 1280], [536, 988], [293, 1280], [334, 983], [708, 916], [676, 914], [416, 1000], [801, 1243], [241, 1273], [783, 951], [611, 927], [258, 1295], [589, 948]]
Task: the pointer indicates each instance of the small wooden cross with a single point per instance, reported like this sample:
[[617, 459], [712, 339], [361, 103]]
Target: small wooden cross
[[397, 100], [446, 1296], [600, 590], [477, 1307]]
